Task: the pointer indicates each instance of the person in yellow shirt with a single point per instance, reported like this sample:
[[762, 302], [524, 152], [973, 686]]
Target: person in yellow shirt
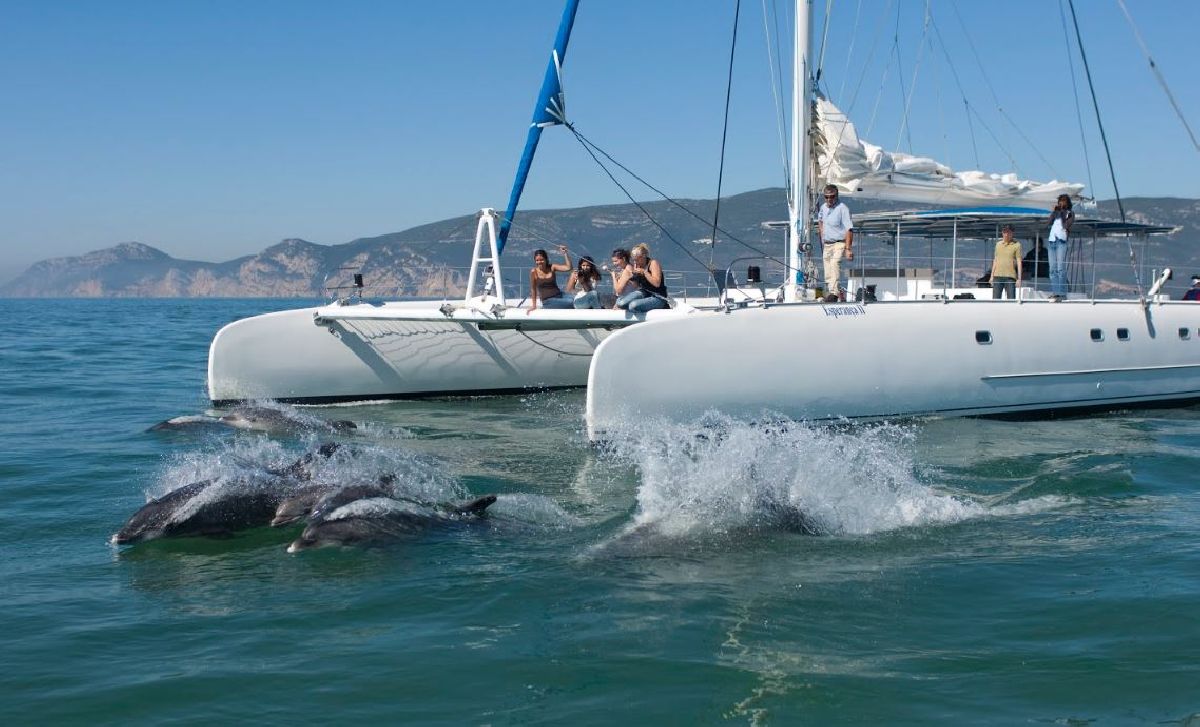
[[1006, 265]]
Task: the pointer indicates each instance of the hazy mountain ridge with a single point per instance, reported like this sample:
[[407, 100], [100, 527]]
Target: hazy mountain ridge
[[431, 259]]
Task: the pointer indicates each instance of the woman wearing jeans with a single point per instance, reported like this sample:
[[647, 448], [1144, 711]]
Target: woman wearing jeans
[[1061, 219], [641, 285], [583, 283]]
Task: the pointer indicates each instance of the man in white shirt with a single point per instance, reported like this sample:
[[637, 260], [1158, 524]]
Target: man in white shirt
[[836, 230]]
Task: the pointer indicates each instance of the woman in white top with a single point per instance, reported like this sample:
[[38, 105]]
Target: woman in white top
[[1061, 219]]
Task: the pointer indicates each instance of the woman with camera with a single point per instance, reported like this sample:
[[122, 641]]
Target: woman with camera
[[583, 283], [641, 286]]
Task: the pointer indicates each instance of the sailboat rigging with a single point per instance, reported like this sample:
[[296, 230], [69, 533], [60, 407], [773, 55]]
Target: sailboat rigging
[[918, 350]]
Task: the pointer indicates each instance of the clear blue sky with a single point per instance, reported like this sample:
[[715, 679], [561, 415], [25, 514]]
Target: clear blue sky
[[213, 129]]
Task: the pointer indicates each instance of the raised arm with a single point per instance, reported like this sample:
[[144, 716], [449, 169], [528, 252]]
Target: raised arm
[[572, 282], [566, 264]]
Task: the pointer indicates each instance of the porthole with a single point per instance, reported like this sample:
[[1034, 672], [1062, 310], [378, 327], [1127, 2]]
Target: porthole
[[1097, 334], [1122, 334], [1185, 334], [983, 337]]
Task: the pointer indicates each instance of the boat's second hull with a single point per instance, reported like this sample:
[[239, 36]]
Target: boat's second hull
[[886, 360], [296, 356]]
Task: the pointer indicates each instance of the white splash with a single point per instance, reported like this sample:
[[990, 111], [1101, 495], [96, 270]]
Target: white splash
[[723, 475]]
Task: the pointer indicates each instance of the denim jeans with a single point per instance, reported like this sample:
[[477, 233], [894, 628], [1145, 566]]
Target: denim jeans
[[639, 301], [1057, 250], [1002, 285], [590, 299], [558, 302]]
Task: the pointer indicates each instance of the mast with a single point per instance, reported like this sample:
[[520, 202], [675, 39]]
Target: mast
[[799, 202], [549, 110]]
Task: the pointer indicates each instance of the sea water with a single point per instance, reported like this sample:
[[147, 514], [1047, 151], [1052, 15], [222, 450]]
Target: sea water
[[952, 571]]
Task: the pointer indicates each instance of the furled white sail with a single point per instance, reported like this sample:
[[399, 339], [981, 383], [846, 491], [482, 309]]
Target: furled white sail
[[858, 167]]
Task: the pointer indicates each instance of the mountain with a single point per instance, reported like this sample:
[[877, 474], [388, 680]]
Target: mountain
[[431, 260]]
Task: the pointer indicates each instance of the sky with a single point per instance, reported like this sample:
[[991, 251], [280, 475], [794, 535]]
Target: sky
[[214, 129]]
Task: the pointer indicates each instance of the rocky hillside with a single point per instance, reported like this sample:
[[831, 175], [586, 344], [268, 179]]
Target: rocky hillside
[[431, 260]]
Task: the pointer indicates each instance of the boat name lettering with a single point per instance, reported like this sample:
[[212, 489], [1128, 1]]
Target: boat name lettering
[[837, 311]]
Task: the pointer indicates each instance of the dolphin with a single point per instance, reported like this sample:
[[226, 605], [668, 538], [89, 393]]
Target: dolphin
[[300, 470], [188, 423], [235, 505], [379, 519], [316, 501], [266, 419], [216, 507], [298, 505]]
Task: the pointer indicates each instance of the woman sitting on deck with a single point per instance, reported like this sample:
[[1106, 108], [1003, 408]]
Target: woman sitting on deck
[[583, 283], [641, 287], [543, 281]]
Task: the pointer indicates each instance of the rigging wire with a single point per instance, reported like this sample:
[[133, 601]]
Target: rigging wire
[[962, 91], [1158, 74], [870, 56], [712, 248], [577, 248], [1137, 276], [824, 38], [894, 52], [1087, 158], [592, 149], [882, 83], [937, 94], [777, 92], [912, 87], [849, 52], [996, 99], [1096, 105]]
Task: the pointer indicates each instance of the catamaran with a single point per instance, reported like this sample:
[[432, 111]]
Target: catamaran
[[906, 347], [485, 343]]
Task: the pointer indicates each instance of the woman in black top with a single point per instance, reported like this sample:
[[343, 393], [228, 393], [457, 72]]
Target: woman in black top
[[641, 285]]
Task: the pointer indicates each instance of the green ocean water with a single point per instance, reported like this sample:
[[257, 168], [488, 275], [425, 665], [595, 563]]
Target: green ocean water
[[964, 572]]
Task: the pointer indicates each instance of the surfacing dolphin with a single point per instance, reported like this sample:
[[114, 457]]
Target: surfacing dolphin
[[215, 507], [379, 519], [267, 419], [208, 507], [317, 500], [256, 418]]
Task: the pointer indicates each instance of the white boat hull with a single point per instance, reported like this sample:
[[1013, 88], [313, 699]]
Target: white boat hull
[[884, 360], [360, 352]]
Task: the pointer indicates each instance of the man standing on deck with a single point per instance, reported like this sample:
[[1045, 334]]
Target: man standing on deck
[[836, 230]]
